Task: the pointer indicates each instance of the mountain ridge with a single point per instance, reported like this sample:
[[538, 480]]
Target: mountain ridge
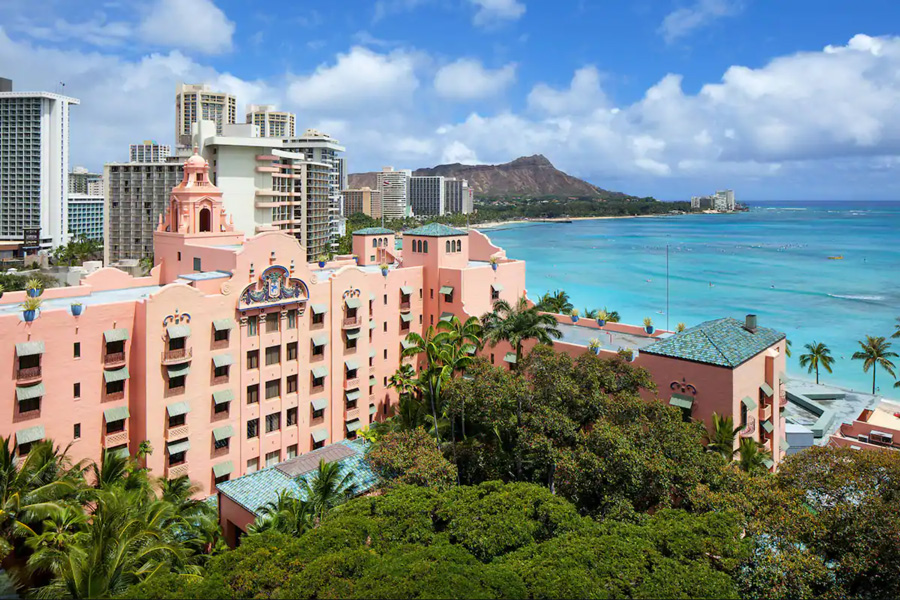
[[530, 176]]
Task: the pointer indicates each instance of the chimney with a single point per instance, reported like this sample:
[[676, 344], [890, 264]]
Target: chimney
[[750, 323]]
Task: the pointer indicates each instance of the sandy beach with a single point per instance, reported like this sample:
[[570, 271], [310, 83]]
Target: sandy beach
[[565, 220]]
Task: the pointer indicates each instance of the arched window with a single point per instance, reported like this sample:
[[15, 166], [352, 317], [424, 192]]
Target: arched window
[[459, 245], [205, 220], [418, 245], [426, 246], [374, 242], [448, 246], [384, 241]]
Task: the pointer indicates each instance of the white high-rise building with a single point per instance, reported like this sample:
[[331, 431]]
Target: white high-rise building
[[394, 186], [34, 165], [724, 200], [82, 181], [426, 195], [271, 122], [321, 148], [149, 151], [458, 196], [199, 102], [267, 185]]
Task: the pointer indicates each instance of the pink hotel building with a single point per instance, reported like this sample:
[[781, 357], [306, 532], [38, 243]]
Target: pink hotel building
[[235, 354]]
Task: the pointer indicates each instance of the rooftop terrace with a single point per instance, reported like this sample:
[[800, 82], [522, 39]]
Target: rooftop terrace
[[97, 298], [611, 340]]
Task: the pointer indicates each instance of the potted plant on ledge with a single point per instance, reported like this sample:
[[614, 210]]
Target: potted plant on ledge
[[322, 260], [493, 260], [680, 327], [627, 354], [384, 268], [594, 345], [574, 315], [76, 308], [30, 308], [648, 325], [34, 287], [601, 317]]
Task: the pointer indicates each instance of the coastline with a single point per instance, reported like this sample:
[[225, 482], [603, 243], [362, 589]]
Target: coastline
[[492, 224]]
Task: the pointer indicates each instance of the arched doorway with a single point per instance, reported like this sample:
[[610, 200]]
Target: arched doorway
[[205, 220]]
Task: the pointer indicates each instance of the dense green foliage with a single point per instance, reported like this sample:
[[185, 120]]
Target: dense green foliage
[[493, 540], [12, 282], [90, 531]]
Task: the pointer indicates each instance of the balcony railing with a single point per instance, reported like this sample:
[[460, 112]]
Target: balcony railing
[[750, 428], [118, 438], [115, 396], [219, 344], [28, 374], [220, 379], [351, 322], [352, 413], [177, 432], [350, 384], [178, 355], [176, 471], [405, 306], [111, 359]]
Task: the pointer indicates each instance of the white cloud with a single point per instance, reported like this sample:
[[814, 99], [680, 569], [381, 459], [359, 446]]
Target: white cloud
[[358, 79], [492, 12], [457, 152], [467, 79], [187, 24], [684, 21], [584, 94], [96, 31]]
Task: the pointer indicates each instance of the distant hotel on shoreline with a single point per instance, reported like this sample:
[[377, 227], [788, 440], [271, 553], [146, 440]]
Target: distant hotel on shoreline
[[722, 200]]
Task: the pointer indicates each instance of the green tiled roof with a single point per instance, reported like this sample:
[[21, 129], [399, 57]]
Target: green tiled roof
[[434, 230], [257, 489], [722, 342], [373, 231]]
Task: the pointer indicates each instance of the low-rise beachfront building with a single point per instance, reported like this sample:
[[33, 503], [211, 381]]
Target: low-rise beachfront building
[[874, 429], [240, 501], [234, 354], [723, 366]]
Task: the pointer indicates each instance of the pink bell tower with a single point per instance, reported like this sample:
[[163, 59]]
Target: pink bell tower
[[194, 219], [195, 206]]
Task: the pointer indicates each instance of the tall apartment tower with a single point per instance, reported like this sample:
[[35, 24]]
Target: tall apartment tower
[[136, 193], [149, 151], [458, 196], [34, 165], [85, 204], [363, 200], [426, 195], [271, 123], [394, 187], [321, 148], [198, 102]]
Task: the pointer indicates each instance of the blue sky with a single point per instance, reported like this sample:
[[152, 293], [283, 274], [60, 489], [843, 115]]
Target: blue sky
[[786, 100]]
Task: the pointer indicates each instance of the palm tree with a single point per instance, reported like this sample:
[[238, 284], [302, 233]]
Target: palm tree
[[130, 538], [31, 489], [612, 316], [896, 333], [327, 489], [517, 324], [818, 355], [721, 439], [875, 352], [752, 458], [462, 334], [286, 514], [590, 313], [558, 302], [787, 347], [435, 373]]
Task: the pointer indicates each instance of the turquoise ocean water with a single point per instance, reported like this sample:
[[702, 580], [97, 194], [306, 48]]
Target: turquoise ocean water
[[772, 261]]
